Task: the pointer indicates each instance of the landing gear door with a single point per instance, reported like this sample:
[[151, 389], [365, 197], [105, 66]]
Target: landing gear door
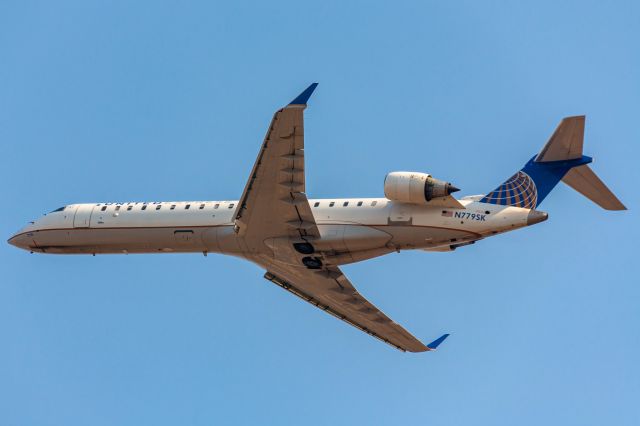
[[82, 217]]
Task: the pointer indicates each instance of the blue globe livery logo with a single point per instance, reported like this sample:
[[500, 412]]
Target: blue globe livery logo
[[519, 191]]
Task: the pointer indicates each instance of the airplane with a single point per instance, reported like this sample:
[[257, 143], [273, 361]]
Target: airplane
[[302, 242]]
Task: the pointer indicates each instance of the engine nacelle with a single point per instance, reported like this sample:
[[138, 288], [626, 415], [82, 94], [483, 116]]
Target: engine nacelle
[[415, 187]]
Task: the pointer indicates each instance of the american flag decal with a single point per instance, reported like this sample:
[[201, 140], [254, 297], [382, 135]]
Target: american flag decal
[[447, 213]]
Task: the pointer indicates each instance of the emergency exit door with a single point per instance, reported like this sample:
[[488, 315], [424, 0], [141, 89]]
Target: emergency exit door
[[82, 217]]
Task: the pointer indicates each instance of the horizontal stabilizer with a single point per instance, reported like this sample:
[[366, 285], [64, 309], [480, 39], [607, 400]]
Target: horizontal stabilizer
[[433, 345], [585, 181]]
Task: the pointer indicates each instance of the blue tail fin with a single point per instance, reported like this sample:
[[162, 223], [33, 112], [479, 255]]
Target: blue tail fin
[[541, 174], [533, 183]]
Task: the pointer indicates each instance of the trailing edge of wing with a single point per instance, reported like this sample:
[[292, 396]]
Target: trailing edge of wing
[[304, 96]]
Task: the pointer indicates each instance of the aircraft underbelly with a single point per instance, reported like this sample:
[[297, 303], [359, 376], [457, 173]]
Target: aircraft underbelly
[[336, 244], [121, 240], [345, 243], [417, 237], [350, 237]]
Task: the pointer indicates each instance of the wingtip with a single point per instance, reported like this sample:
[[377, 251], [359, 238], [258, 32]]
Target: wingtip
[[303, 97], [575, 117], [433, 345]]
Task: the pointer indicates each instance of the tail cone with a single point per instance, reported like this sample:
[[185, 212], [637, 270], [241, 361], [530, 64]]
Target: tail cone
[[536, 216]]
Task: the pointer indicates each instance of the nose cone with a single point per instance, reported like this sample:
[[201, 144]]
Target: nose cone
[[536, 216], [20, 240]]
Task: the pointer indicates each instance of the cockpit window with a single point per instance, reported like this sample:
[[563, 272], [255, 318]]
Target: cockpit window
[[59, 210]]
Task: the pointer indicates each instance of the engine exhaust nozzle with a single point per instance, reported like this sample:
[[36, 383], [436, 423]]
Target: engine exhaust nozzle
[[435, 188]]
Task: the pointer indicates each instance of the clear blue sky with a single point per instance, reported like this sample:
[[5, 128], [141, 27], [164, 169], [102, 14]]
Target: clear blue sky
[[120, 100]]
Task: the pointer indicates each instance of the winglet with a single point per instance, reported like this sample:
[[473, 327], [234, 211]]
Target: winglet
[[433, 345], [304, 96]]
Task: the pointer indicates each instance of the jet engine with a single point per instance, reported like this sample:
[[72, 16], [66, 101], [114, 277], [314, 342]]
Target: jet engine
[[415, 187]]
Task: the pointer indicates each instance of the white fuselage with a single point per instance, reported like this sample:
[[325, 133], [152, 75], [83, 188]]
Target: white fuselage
[[351, 229]]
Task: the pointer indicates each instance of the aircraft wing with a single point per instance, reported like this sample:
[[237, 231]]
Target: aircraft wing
[[331, 291], [274, 205], [274, 202]]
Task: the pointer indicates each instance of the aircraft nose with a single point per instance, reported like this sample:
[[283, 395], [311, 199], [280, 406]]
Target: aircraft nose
[[536, 216], [13, 240], [20, 240]]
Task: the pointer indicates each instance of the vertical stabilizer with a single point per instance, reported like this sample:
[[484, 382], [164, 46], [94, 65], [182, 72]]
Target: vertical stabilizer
[[566, 141], [560, 159]]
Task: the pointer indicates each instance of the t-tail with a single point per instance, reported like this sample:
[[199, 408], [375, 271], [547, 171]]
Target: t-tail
[[561, 159]]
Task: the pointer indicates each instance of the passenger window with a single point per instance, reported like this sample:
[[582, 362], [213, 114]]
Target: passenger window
[[103, 208], [231, 205], [173, 207], [331, 204], [373, 203], [316, 204], [359, 203], [187, 206], [158, 207], [144, 207], [201, 206], [129, 208], [345, 204]]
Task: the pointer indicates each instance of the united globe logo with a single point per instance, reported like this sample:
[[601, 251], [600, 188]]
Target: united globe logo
[[519, 190]]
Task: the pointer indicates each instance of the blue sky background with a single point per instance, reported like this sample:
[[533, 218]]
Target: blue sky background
[[120, 101]]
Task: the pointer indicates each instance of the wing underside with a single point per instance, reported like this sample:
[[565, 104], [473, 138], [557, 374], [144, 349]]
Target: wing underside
[[274, 202], [331, 291], [274, 212]]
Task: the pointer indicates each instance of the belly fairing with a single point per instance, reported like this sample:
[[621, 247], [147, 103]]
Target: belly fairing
[[341, 238]]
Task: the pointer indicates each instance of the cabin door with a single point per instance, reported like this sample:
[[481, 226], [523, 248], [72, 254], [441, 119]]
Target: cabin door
[[82, 217]]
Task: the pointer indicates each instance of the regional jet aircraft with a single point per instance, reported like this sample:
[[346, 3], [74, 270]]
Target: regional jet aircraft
[[302, 242]]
